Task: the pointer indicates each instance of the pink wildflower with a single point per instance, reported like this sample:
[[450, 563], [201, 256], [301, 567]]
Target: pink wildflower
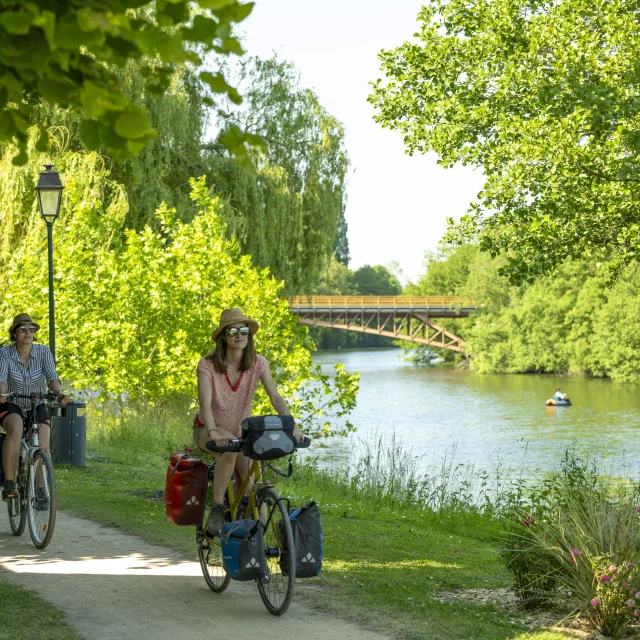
[[636, 613], [638, 595], [631, 602], [630, 565], [638, 509], [612, 568], [605, 578], [575, 552], [595, 602], [572, 560], [625, 585]]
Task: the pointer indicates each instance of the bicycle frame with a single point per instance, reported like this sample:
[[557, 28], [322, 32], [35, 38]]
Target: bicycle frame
[[234, 497]]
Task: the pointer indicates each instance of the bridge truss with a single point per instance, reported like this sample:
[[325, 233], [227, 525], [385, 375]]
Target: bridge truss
[[400, 317]]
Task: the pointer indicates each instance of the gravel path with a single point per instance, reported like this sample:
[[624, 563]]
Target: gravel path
[[114, 586]]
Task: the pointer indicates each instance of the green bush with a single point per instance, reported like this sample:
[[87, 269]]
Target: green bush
[[576, 542]]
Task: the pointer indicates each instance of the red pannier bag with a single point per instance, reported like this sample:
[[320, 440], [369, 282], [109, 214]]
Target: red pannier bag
[[186, 489]]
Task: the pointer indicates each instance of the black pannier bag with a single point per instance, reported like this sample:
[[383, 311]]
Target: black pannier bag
[[268, 437], [242, 543], [308, 541]]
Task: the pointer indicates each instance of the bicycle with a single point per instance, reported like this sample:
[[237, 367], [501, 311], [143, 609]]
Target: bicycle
[[266, 505], [35, 480]]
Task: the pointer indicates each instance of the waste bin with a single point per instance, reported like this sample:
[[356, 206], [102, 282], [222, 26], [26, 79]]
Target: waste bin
[[68, 433]]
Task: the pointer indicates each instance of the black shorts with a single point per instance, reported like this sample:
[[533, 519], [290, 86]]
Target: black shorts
[[42, 413]]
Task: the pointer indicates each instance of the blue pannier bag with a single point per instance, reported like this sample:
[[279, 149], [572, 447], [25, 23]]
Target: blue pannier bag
[[308, 541], [242, 543]]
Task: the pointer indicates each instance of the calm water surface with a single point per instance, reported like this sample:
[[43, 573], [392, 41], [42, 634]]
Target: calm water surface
[[487, 418]]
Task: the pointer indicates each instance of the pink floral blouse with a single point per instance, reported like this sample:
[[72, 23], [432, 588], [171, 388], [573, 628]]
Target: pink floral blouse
[[231, 405]]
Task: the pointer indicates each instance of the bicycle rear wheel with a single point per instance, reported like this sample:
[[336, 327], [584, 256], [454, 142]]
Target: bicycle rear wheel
[[17, 507], [210, 551], [277, 591], [41, 500]]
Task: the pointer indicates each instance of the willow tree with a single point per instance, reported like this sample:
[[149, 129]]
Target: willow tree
[[544, 97], [285, 215]]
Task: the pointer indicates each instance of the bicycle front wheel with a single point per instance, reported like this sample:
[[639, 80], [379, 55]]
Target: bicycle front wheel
[[276, 590], [41, 500], [17, 507], [210, 552]]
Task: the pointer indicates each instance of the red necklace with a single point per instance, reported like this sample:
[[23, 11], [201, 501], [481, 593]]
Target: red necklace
[[226, 375]]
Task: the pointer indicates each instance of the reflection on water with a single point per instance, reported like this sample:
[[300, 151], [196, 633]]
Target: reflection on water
[[486, 417]]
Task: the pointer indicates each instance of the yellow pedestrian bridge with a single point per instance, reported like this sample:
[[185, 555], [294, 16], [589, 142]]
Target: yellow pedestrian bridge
[[401, 317]]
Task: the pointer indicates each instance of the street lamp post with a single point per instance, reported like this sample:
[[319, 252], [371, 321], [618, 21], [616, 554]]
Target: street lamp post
[[49, 190]]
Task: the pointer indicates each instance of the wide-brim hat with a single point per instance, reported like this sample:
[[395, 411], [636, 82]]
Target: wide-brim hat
[[231, 316], [22, 318]]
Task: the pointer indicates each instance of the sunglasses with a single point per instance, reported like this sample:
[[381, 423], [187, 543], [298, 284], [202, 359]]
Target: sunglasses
[[27, 329], [234, 331]]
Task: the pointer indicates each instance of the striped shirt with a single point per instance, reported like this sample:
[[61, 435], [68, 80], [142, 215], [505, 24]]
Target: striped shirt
[[25, 380]]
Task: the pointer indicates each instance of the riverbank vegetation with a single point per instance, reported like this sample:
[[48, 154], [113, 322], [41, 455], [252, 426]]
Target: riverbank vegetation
[[573, 322], [408, 551]]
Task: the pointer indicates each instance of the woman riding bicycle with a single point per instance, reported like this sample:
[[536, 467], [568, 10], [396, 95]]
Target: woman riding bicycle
[[227, 381], [25, 367]]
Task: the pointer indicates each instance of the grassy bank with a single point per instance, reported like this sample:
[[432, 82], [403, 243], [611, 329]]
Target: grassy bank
[[388, 566], [18, 622]]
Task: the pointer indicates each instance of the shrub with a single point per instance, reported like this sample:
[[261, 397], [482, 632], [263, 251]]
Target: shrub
[[579, 542]]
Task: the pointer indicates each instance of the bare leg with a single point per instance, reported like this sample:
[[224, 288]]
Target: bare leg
[[13, 426], [224, 469], [242, 467]]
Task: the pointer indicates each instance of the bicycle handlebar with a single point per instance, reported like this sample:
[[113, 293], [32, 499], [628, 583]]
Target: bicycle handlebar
[[49, 395], [236, 445]]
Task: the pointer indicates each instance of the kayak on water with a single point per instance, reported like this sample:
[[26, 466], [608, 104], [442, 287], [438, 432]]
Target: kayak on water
[[554, 402]]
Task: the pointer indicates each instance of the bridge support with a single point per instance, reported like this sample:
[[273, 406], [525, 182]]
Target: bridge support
[[410, 325]]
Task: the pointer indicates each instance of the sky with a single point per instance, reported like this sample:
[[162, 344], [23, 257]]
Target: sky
[[397, 205]]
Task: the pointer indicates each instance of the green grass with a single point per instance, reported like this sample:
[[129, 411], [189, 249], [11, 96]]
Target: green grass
[[26, 616], [385, 563]]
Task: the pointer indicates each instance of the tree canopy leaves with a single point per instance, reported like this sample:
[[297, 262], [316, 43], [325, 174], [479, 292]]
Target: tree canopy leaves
[[544, 97], [68, 53]]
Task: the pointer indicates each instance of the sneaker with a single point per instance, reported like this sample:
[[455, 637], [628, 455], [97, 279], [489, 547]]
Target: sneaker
[[9, 491], [242, 508], [42, 500], [215, 522]]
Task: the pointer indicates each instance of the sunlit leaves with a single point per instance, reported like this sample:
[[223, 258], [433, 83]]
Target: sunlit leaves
[[545, 99], [66, 53]]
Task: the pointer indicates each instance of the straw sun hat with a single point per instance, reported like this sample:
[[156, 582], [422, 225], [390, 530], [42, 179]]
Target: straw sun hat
[[22, 318], [231, 316]]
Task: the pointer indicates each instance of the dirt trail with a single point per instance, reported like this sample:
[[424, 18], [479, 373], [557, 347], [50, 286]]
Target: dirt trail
[[114, 586]]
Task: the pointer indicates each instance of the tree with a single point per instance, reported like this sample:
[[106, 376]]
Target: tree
[[283, 228], [69, 53], [376, 281], [137, 306], [544, 97]]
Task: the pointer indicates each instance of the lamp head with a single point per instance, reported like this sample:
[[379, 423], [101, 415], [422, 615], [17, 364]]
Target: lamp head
[[49, 190]]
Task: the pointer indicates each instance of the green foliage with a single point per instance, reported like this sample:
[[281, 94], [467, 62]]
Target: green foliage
[[376, 281], [572, 322], [69, 55], [136, 307], [284, 215], [543, 97], [576, 539]]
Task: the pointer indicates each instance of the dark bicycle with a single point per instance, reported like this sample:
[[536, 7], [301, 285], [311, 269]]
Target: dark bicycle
[[35, 480], [265, 505]]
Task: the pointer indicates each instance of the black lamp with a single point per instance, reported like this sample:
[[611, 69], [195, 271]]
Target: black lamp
[[49, 190]]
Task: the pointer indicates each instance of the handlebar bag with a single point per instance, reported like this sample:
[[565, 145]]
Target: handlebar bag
[[308, 541], [268, 437], [185, 489], [242, 544]]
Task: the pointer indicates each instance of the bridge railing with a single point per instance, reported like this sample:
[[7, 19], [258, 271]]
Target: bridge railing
[[381, 301]]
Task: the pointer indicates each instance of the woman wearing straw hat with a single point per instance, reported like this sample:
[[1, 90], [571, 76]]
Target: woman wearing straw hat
[[25, 367], [227, 381]]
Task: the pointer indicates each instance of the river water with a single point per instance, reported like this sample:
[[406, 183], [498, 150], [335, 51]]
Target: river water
[[485, 420]]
